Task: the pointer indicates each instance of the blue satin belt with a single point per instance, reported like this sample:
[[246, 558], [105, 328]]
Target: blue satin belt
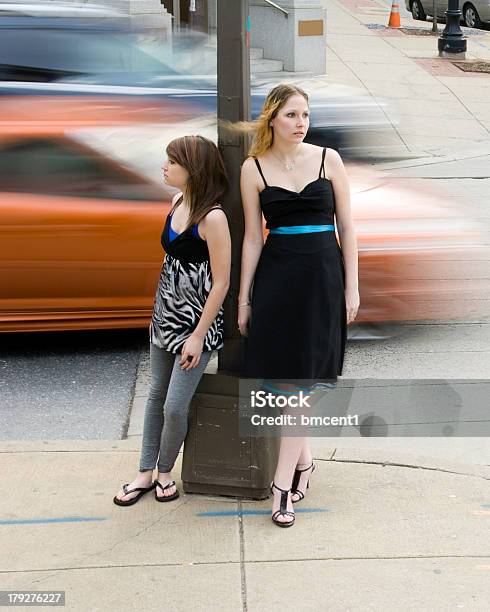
[[302, 229]]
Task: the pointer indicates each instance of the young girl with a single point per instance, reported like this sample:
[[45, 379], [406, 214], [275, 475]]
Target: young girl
[[187, 321], [303, 297]]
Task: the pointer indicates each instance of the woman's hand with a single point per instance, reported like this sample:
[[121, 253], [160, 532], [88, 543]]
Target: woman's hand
[[191, 352], [244, 313], [352, 302]]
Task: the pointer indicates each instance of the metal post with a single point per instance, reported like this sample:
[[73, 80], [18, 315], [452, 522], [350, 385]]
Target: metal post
[[176, 6], [217, 459], [434, 16], [452, 43], [233, 105]]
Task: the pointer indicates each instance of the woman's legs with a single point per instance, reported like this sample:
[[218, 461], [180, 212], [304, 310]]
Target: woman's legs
[[304, 461], [171, 391], [289, 451], [161, 366], [183, 385], [294, 451]]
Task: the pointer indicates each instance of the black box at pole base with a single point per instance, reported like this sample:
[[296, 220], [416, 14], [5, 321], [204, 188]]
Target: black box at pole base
[[216, 460]]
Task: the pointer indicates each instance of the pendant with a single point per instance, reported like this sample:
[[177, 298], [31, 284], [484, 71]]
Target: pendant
[[289, 165]]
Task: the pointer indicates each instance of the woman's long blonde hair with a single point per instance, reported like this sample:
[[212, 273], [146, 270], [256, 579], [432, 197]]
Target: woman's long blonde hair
[[276, 99]]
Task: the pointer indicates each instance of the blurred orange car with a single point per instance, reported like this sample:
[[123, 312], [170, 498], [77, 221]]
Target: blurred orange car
[[80, 234], [80, 243]]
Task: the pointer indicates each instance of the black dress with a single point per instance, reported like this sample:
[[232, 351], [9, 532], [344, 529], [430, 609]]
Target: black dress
[[298, 325]]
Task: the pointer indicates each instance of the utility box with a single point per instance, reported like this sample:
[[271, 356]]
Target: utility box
[[217, 461]]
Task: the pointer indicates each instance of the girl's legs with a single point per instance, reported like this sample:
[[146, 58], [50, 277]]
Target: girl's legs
[[171, 391], [183, 385]]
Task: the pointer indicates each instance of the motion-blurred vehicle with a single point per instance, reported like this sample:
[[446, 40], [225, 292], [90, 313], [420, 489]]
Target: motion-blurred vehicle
[[80, 233], [474, 13], [420, 258], [54, 48]]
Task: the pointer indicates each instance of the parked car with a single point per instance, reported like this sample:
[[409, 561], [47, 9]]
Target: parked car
[[54, 48], [474, 13]]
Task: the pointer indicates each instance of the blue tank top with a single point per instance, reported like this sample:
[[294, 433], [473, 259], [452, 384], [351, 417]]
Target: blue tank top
[[172, 234]]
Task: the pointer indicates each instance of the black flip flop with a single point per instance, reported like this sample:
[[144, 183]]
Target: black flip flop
[[130, 502], [165, 498]]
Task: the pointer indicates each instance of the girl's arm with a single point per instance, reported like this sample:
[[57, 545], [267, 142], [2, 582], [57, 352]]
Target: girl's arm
[[214, 229], [253, 241], [345, 226]]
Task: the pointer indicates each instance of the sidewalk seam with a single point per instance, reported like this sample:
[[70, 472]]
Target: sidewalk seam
[[180, 564], [243, 577]]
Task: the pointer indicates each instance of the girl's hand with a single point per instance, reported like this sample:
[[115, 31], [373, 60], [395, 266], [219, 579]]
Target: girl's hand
[[244, 313], [352, 302], [191, 352]]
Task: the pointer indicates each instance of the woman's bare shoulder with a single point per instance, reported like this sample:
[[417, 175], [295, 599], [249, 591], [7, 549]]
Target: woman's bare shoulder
[[248, 164]]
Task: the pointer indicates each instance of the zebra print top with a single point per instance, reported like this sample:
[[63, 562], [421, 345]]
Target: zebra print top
[[183, 288]]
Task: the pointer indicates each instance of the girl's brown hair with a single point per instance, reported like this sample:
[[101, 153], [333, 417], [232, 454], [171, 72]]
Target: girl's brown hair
[[276, 99], [207, 173]]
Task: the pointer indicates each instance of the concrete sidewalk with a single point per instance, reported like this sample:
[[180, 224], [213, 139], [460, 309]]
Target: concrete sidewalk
[[436, 108], [397, 523], [378, 530], [386, 523]]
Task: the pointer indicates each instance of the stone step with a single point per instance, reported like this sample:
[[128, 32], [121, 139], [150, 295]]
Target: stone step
[[279, 76], [265, 65], [256, 53]]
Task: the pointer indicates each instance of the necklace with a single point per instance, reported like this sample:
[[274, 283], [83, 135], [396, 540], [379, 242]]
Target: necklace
[[289, 165]]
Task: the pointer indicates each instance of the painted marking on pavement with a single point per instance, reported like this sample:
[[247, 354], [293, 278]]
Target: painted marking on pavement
[[255, 512], [44, 521]]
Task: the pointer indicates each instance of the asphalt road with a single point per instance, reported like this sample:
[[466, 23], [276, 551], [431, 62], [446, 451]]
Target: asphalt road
[[67, 385]]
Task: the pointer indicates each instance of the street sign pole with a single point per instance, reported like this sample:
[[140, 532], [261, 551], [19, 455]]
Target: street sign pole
[[452, 43], [233, 105], [219, 459]]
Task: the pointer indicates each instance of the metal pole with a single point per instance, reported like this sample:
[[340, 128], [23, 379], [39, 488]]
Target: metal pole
[[434, 16], [233, 105], [218, 459], [452, 43]]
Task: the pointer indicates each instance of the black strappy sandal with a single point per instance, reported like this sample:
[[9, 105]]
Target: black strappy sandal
[[165, 498], [282, 508], [294, 486], [133, 500]]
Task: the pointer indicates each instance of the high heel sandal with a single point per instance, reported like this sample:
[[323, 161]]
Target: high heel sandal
[[294, 486], [282, 508]]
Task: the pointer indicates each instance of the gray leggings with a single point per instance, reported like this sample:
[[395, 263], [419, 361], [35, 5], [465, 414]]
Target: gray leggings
[[167, 408]]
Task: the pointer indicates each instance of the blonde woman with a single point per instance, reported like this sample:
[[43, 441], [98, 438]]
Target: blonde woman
[[305, 286]]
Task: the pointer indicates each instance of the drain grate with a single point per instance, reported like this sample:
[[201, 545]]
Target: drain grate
[[473, 66], [419, 32]]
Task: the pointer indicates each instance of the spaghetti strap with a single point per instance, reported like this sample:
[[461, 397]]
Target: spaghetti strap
[[322, 168], [260, 170]]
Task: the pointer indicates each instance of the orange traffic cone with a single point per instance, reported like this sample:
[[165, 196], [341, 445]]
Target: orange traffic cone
[[394, 21]]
